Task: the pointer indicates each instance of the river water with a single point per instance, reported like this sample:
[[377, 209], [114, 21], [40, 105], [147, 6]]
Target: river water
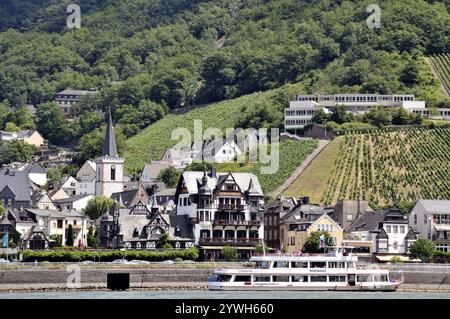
[[205, 294]]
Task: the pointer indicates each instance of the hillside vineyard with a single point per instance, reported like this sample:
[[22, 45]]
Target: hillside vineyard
[[385, 167]]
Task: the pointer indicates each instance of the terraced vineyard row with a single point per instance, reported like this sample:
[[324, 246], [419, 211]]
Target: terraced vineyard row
[[441, 65], [383, 167]]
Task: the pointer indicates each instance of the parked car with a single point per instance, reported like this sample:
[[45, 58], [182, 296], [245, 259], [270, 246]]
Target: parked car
[[87, 262], [170, 262], [139, 262], [4, 261], [120, 261]]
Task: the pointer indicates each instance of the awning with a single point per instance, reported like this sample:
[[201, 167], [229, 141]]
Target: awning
[[388, 258], [442, 227]]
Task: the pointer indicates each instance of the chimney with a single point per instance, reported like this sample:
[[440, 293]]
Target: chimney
[[305, 200]]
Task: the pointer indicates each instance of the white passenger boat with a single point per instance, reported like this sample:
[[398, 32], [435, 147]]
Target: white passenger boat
[[335, 270]]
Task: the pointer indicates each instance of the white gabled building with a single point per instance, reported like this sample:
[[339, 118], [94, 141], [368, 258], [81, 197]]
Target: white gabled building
[[225, 209], [86, 178], [381, 232], [431, 219], [218, 151]]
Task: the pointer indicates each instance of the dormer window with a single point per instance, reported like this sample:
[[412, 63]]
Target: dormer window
[[113, 172]]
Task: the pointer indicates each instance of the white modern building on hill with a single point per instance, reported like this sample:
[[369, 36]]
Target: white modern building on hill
[[302, 110]]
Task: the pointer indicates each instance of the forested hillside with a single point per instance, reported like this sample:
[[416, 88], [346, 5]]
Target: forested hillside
[[149, 56]]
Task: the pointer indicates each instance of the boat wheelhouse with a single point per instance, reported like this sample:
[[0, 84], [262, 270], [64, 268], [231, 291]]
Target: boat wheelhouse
[[336, 270]]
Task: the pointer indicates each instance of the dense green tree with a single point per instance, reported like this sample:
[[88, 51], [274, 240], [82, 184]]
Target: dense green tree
[[91, 144], [16, 151], [410, 74], [98, 206], [53, 176], [92, 238], [312, 244], [52, 124], [422, 249], [340, 115], [229, 253], [69, 238], [400, 117], [320, 117], [11, 127], [378, 117], [169, 176]]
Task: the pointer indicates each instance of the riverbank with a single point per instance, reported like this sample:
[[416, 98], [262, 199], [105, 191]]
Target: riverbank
[[28, 278], [172, 286]]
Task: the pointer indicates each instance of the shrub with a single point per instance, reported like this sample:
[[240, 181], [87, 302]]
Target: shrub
[[229, 253]]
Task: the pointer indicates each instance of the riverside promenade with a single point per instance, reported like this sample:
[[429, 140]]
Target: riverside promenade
[[178, 276]]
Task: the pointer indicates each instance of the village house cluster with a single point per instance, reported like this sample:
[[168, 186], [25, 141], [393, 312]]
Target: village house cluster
[[207, 209]]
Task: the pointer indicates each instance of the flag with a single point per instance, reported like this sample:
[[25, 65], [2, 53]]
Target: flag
[[5, 240], [322, 241]]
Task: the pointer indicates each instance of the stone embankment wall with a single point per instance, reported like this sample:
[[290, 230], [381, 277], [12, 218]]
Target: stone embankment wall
[[33, 279]]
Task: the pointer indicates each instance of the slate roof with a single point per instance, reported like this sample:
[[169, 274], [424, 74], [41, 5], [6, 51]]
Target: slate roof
[[435, 206], [242, 179], [71, 199], [110, 146], [19, 184], [35, 169], [185, 227], [281, 206], [305, 213], [128, 223], [166, 192], [368, 221], [152, 170], [55, 213]]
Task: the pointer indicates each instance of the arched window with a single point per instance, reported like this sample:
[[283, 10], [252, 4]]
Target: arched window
[[113, 173]]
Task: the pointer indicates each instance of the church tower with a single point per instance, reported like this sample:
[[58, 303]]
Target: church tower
[[110, 167]]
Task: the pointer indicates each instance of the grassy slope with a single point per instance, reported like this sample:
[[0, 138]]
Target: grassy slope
[[151, 143], [313, 181]]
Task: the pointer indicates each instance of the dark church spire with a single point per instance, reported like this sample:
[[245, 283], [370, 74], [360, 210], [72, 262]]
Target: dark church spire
[[110, 147]]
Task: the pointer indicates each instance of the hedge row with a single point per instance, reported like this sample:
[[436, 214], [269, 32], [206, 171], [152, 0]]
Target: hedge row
[[76, 256], [441, 257]]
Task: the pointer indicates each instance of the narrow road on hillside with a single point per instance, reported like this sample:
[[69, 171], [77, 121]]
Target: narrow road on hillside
[[300, 169]]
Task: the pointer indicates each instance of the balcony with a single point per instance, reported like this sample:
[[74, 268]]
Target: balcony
[[231, 207], [219, 241], [236, 223]]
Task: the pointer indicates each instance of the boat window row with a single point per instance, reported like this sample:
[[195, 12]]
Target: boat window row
[[301, 278], [302, 264]]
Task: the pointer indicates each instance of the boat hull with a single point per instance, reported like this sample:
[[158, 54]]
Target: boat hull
[[384, 287], [387, 287]]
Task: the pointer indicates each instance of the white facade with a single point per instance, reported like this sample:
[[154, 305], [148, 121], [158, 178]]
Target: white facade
[[83, 188], [38, 178], [69, 186], [431, 219], [110, 175], [300, 114], [224, 153]]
